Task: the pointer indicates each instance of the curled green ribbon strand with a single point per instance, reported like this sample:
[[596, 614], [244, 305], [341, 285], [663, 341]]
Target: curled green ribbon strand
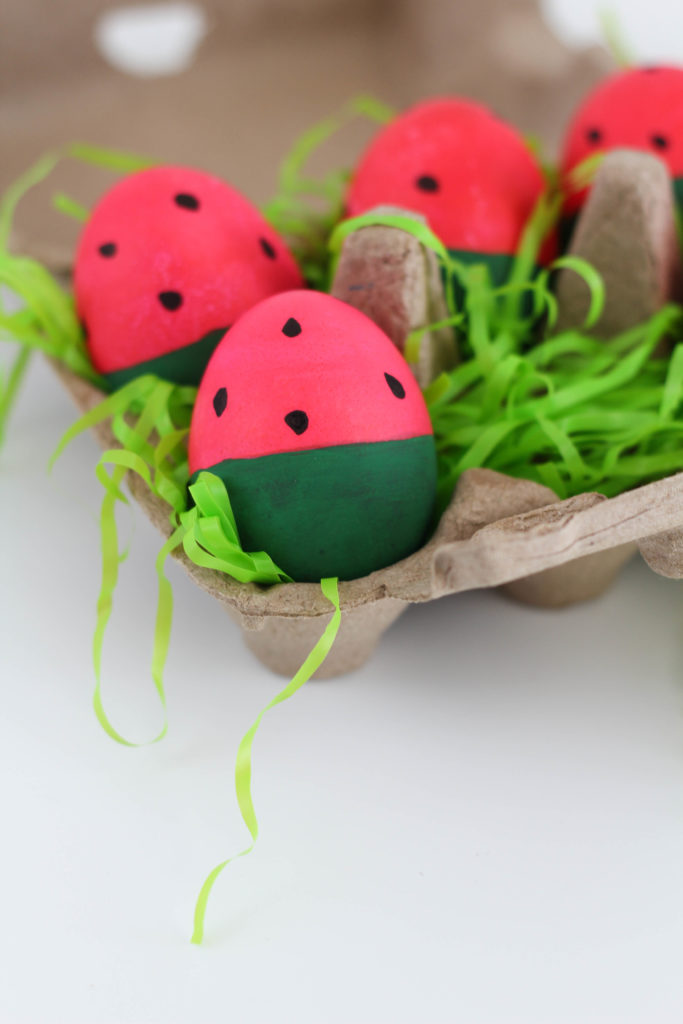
[[211, 540], [10, 385], [243, 762], [124, 461]]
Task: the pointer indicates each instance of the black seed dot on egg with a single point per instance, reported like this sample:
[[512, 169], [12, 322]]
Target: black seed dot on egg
[[220, 401], [659, 141], [186, 200], [395, 386], [594, 135], [170, 300], [291, 328], [427, 183], [267, 248], [297, 420], [108, 249]]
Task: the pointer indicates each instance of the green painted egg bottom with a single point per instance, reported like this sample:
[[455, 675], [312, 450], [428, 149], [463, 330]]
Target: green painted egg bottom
[[343, 511], [182, 366], [678, 192], [499, 264], [565, 230]]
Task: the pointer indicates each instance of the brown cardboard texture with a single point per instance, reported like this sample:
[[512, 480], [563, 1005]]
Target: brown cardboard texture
[[497, 531], [389, 276], [629, 234]]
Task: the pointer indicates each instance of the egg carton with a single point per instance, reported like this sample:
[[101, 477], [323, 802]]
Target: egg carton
[[497, 531]]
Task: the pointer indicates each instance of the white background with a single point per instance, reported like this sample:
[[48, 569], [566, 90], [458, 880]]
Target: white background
[[483, 826]]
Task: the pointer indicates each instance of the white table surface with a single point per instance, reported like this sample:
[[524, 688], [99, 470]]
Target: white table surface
[[484, 824]]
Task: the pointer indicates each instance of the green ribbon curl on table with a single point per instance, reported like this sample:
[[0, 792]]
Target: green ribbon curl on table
[[209, 536], [243, 763]]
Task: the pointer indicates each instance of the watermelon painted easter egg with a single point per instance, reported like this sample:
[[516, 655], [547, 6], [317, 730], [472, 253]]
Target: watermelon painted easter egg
[[167, 262], [641, 108], [314, 422], [469, 173]]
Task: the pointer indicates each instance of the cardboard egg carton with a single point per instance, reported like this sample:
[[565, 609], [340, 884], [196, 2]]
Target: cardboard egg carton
[[497, 531]]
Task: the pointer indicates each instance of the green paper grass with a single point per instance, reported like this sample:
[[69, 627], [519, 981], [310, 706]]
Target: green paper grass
[[210, 536], [567, 410], [150, 419], [208, 533], [10, 384], [572, 413], [46, 319], [305, 210]]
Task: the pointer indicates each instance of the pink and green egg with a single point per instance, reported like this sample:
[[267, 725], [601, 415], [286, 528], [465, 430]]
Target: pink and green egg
[[167, 262], [636, 108], [315, 424], [470, 174]]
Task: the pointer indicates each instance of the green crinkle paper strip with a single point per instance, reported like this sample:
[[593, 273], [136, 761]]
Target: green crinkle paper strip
[[46, 319], [244, 752], [209, 536], [211, 540], [574, 413], [153, 437], [10, 384], [150, 419]]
